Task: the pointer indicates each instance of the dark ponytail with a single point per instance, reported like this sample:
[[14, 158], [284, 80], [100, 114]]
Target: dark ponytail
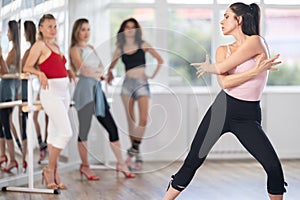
[[250, 15], [256, 17]]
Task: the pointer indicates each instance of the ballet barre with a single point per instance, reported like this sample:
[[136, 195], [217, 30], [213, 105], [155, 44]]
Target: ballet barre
[[30, 106], [10, 104]]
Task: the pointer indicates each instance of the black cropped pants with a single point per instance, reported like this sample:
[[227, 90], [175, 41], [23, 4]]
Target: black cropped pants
[[243, 119], [85, 120]]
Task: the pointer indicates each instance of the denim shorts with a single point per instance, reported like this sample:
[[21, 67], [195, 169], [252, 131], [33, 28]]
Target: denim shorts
[[135, 87]]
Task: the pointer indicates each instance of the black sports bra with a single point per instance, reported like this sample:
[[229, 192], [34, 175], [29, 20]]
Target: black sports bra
[[137, 59]]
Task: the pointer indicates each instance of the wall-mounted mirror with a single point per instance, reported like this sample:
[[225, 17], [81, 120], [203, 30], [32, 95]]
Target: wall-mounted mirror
[[12, 137]]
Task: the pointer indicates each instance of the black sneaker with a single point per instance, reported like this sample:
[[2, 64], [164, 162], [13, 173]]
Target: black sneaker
[[43, 146], [132, 152]]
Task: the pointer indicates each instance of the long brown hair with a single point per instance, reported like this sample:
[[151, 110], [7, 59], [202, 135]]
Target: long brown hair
[[30, 31], [74, 36], [14, 30], [121, 37], [76, 27]]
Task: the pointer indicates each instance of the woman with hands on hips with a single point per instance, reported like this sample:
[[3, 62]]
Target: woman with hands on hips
[[132, 49]]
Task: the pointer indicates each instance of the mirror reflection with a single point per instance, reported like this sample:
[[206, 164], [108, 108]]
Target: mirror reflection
[[10, 138], [30, 32]]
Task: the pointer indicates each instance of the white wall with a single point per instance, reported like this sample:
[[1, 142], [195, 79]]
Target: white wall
[[282, 122]]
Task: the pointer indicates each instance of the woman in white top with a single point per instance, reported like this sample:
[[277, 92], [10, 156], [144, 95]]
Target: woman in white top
[[90, 99]]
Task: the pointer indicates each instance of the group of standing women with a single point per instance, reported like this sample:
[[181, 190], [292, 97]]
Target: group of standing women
[[88, 96]]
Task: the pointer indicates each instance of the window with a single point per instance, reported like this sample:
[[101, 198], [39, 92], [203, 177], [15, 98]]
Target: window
[[189, 40], [27, 4], [5, 2], [37, 2], [284, 38]]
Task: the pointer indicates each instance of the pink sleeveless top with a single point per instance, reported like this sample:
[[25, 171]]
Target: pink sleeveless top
[[250, 90]]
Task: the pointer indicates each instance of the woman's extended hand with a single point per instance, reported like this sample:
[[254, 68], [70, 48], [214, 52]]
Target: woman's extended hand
[[266, 64], [204, 67]]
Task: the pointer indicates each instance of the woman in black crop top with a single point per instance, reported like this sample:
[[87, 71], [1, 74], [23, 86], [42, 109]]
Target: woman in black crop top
[[132, 48]]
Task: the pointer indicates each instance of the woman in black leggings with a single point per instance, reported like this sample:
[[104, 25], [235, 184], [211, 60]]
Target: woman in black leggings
[[9, 92], [236, 109], [3, 157], [90, 99]]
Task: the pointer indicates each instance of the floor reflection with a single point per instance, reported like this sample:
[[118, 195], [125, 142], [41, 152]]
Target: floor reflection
[[38, 166]]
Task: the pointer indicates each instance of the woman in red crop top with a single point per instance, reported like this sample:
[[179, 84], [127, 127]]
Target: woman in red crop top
[[54, 82], [30, 36], [132, 48]]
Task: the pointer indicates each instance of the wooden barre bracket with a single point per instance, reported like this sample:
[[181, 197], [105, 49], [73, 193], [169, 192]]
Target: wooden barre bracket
[[26, 108]]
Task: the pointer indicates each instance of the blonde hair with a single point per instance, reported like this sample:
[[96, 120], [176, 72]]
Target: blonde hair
[[44, 17]]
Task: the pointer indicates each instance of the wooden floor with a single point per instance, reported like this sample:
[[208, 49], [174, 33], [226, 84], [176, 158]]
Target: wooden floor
[[215, 180]]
